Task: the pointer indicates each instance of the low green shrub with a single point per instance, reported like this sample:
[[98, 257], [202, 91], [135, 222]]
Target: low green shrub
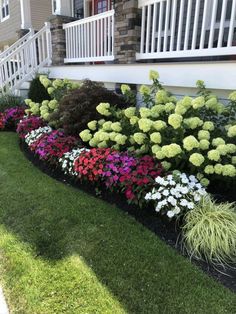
[[209, 232], [79, 106], [8, 101], [37, 92]]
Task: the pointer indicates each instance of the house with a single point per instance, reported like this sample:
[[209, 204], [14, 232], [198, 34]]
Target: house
[[18, 15], [120, 41]]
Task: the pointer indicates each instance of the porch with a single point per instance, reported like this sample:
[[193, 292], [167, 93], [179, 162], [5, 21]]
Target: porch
[[168, 29]]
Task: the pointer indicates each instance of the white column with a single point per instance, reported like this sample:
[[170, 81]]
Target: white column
[[26, 21], [63, 7]]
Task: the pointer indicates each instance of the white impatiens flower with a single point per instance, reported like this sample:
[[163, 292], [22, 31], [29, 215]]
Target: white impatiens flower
[[176, 194], [34, 135], [67, 162]]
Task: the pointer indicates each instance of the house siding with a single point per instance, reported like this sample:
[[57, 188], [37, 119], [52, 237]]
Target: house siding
[[40, 12], [9, 27]]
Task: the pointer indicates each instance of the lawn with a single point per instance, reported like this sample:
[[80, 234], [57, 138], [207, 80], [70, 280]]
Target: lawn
[[63, 251]]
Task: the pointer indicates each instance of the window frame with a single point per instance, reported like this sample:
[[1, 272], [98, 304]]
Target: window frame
[[5, 6]]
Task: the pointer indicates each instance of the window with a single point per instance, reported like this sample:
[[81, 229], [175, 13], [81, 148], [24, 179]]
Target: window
[[5, 9]]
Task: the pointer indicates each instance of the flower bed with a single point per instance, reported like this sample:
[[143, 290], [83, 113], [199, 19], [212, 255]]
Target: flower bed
[[162, 156]]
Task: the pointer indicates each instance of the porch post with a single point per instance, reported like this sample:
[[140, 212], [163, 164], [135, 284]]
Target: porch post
[[26, 21], [127, 30]]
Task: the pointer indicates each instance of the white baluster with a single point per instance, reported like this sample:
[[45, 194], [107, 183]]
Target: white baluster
[[213, 21], [195, 27], [159, 39], [181, 16], [173, 22], [143, 29], [232, 24], [154, 25], [222, 23], [188, 23], [167, 18]]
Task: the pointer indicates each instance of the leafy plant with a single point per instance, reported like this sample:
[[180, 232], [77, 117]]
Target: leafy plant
[[209, 232], [8, 101], [37, 92], [79, 106]]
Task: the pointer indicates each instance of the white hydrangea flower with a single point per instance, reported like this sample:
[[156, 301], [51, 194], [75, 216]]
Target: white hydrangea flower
[[170, 213]]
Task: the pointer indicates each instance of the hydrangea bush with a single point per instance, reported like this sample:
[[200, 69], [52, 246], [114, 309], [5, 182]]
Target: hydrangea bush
[[57, 89], [176, 194], [187, 134]]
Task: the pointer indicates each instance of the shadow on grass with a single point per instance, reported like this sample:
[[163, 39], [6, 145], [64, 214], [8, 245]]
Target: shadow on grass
[[58, 221]]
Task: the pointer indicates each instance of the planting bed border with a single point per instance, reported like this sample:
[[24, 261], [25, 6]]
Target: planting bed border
[[167, 231]]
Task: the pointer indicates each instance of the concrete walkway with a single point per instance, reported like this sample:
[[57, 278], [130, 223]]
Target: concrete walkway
[[3, 304]]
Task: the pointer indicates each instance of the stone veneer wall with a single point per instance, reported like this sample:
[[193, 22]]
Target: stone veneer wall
[[59, 38], [127, 30]]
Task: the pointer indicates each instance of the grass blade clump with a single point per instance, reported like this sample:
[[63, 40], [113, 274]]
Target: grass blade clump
[[209, 232]]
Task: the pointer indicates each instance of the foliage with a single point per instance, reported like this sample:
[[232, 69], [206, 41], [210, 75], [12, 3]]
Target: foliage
[[8, 101], [176, 194], [29, 124], [37, 92], [79, 106], [51, 146], [187, 133], [12, 116], [210, 232]]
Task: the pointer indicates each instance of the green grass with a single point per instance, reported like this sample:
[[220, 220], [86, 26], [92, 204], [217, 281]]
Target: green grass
[[63, 251]]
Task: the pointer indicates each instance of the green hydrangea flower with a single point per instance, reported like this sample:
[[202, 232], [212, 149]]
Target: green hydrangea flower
[[125, 89], [166, 165], [175, 120], [203, 135], [198, 102], [156, 148], [229, 171], [208, 126], [218, 141], [107, 126], [213, 155], [130, 112], [160, 155], [180, 109], [209, 169], [205, 182], [232, 96], [159, 125], [102, 144], [234, 160], [162, 97], [169, 107], [113, 135], [145, 112], [51, 90], [121, 139], [204, 144], [153, 75], [145, 90], [92, 125], [139, 138], [133, 120], [156, 137], [85, 135], [103, 109], [218, 168], [171, 150], [190, 142], [231, 148], [232, 131], [145, 124], [197, 159], [193, 122], [116, 126], [157, 110]]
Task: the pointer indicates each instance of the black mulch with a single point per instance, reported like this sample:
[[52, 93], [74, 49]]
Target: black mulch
[[167, 231]]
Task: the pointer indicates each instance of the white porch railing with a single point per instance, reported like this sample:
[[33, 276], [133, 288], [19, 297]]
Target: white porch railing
[[22, 63], [187, 28], [90, 39], [16, 45]]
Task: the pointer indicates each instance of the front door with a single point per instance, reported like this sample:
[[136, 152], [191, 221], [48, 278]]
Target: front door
[[101, 6]]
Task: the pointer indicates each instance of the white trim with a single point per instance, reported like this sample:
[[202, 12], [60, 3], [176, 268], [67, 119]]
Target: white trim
[[26, 20], [4, 4], [3, 304], [217, 75]]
